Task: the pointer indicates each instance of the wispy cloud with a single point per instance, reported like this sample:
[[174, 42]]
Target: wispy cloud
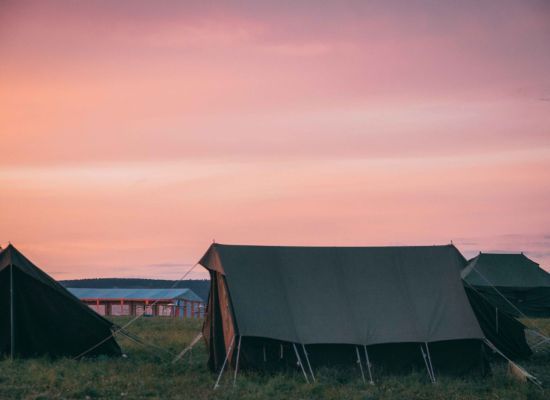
[[135, 132]]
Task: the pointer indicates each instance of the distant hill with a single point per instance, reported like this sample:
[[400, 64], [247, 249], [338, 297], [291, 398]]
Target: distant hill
[[200, 287]]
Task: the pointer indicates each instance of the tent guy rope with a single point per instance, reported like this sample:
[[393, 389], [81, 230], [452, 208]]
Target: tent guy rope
[[139, 340], [114, 332], [188, 348], [531, 378]]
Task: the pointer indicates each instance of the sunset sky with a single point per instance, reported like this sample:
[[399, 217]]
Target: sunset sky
[[133, 133]]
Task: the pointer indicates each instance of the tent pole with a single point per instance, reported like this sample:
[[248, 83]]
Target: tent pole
[[360, 365], [237, 362], [217, 384], [12, 319], [368, 364], [308, 363], [430, 361], [300, 362], [426, 363]]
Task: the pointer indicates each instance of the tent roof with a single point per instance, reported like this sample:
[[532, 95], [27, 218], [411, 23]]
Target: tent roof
[[354, 295], [11, 256], [505, 270], [135, 294]]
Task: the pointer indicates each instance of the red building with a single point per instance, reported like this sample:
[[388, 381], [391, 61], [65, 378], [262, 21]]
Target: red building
[[176, 303]]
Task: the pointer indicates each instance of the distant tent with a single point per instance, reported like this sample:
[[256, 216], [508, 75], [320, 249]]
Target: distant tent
[[511, 282], [333, 304], [39, 317]]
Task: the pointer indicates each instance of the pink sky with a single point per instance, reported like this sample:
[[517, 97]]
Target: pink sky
[[134, 133]]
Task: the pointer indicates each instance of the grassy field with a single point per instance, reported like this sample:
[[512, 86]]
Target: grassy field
[[149, 373]]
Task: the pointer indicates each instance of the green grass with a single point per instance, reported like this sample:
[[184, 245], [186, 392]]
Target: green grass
[[149, 373]]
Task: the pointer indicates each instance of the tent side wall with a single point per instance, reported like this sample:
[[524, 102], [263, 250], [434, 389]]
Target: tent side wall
[[532, 302], [500, 328], [47, 323], [5, 324], [264, 354], [322, 295], [47, 319]]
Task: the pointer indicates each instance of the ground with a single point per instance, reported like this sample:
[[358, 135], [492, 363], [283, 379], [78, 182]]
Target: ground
[[148, 372]]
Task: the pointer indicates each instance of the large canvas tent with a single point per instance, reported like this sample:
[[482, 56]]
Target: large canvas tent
[[511, 282], [274, 306], [39, 317]]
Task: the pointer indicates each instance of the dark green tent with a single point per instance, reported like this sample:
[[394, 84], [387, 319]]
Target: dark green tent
[[511, 282], [40, 317], [334, 304]]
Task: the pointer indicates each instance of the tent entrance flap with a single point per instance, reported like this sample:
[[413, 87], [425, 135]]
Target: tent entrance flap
[[219, 329]]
